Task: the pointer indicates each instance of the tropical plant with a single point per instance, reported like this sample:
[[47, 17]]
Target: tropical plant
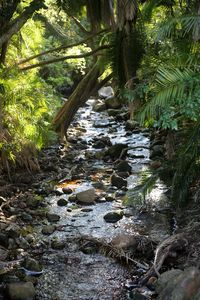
[[171, 86]]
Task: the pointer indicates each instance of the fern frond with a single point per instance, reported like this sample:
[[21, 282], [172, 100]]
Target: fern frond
[[180, 26], [188, 169], [170, 86]]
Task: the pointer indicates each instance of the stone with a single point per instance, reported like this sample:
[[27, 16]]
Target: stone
[[99, 145], [13, 230], [62, 202], [131, 125], [33, 202], [52, 217], [179, 285], [113, 103], [123, 166], [105, 92], [20, 291], [89, 247], [155, 164], [32, 264], [57, 245], [99, 106], [3, 240], [165, 278], [113, 216], [72, 198], [123, 174], [115, 151], [156, 151], [48, 229], [113, 112], [109, 198], [26, 217], [86, 195], [22, 243], [118, 181], [3, 254], [67, 190], [134, 295]]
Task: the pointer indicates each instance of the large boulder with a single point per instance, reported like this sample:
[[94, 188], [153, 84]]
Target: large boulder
[[105, 92], [20, 291], [113, 103], [86, 195], [179, 285]]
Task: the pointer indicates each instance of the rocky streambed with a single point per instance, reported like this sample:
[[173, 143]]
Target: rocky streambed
[[69, 232]]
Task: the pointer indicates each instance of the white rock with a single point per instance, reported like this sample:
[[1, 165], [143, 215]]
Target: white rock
[[106, 92]]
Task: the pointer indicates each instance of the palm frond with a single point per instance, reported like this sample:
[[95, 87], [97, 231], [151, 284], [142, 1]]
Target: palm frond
[[188, 169], [170, 87], [180, 26], [191, 24]]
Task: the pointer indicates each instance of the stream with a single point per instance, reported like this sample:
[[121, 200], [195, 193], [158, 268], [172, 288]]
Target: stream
[[72, 271], [75, 230]]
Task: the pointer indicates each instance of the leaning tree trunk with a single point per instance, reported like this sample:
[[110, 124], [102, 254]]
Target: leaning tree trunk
[[88, 85]]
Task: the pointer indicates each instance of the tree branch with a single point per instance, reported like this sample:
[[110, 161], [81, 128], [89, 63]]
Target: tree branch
[[62, 47], [54, 60], [78, 23], [19, 21]]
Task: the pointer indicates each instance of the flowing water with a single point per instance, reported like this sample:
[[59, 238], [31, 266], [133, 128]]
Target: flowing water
[[69, 273]]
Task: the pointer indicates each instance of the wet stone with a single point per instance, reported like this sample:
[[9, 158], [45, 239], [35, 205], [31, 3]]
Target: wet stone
[[49, 229], [86, 209], [26, 217], [99, 145], [131, 125], [3, 240], [118, 181], [72, 198], [62, 202], [20, 291], [115, 151], [86, 196], [113, 103], [52, 217], [57, 245], [13, 230], [113, 216], [67, 190], [32, 264], [3, 254], [99, 106], [109, 198], [123, 166]]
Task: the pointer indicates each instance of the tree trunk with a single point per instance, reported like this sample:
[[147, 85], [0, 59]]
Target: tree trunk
[[89, 84]]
